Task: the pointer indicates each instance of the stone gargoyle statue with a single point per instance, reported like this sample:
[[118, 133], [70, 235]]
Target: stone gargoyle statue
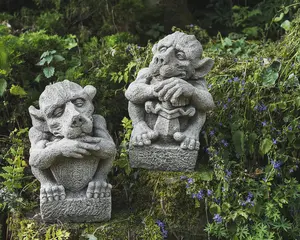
[[168, 103], [71, 154]]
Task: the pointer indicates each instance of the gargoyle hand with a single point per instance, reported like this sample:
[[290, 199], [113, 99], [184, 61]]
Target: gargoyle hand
[[78, 148], [171, 89]]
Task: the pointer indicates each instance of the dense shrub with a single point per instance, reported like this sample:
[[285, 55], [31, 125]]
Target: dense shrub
[[246, 185]]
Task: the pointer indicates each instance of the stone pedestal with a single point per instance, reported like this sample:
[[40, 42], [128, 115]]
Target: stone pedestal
[[162, 157], [77, 210]]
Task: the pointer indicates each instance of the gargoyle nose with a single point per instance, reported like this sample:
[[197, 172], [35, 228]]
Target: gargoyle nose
[[77, 121], [159, 60]]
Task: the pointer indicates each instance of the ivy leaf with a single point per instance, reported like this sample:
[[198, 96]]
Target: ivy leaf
[[277, 19], [59, 58], [90, 236], [3, 85], [286, 25], [48, 59], [42, 62], [17, 91], [49, 71], [238, 139], [265, 146], [206, 175], [271, 74], [38, 78], [214, 208]]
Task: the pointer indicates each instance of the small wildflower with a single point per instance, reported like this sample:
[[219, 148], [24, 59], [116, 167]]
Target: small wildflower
[[223, 189], [290, 128], [243, 82], [217, 218], [228, 173], [221, 124], [276, 164], [190, 181], [229, 99], [225, 106], [274, 141], [209, 192], [191, 25], [183, 177], [264, 123], [200, 195], [162, 228], [236, 79], [212, 132], [225, 143], [230, 80]]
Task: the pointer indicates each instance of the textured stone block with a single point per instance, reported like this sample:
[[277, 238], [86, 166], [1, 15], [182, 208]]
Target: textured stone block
[[77, 210], [163, 157]]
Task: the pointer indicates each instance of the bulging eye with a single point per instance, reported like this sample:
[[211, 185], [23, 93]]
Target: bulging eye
[[163, 49], [180, 55], [79, 102], [58, 112]]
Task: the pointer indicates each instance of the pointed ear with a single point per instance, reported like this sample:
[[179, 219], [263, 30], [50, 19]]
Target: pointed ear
[[38, 120], [154, 48], [90, 90], [203, 67]]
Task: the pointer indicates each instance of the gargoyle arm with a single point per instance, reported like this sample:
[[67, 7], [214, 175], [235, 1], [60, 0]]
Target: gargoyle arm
[[140, 91], [41, 155], [108, 149], [201, 98]]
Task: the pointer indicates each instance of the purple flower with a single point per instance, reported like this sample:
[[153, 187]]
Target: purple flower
[[290, 128], [160, 223], [200, 195], [264, 123], [225, 143], [209, 192], [243, 82], [190, 181], [274, 141], [230, 80], [183, 177], [221, 124], [212, 132], [228, 173], [236, 79], [191, 25], [225, 106], [162, 228], [276, 164], [217, 218], [229, 99]]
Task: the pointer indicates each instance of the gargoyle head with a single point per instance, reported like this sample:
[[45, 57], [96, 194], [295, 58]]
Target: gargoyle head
[[179, 55], [66, 110]]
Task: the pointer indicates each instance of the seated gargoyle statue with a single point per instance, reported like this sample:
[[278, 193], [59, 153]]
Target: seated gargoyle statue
[[71, 149], [169, 99]]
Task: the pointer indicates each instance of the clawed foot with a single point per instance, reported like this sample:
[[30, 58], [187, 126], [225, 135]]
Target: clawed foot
[[98, 189], [142, 134], [188, 139], [52, 192]]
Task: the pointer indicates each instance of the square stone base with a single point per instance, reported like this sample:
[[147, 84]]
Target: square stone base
[[162, 157], [77, 210]]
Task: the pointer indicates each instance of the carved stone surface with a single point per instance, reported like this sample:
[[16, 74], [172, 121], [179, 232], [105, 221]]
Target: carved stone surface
[[163, 157], [71, 154], [168, 103]]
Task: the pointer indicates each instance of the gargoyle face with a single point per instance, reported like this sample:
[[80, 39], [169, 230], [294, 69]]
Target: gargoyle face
[[66, 110], [178, 55]]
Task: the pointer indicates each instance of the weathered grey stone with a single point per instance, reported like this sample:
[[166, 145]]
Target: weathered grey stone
[[71, 154], [163, 157], [168, 103]]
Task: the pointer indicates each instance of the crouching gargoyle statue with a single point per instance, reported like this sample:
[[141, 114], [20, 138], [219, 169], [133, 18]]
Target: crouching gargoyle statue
[[168, 102], [71, 154]]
